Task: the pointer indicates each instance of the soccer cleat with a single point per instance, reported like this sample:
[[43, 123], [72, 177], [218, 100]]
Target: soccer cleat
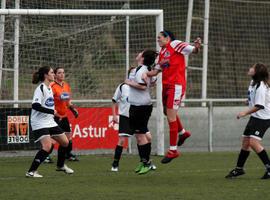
[[33, 174], [48, 160], [72, 158], [65, 169], [170, 155], [115, 165], [153, 167], [145, 169], [139, 167], [266, 175], [235, 172], [183, 137], [114, 169]]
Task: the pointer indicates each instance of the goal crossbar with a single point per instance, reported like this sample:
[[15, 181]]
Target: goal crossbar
[[80, 12]]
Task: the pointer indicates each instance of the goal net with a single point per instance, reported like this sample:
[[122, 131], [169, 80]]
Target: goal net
[[91, 45]]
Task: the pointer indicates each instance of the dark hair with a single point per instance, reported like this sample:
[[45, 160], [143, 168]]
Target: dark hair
[[57, 68], [166, 33], [40, 74], [261, 74], [149, 57]]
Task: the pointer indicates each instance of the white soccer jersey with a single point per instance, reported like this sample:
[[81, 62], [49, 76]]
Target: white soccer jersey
[[259, 95], [121, 97], [132, 74], [44, 96], [139, 97]]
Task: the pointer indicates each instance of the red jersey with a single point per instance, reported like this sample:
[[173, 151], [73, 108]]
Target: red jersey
[[62, 95], [172, 62]]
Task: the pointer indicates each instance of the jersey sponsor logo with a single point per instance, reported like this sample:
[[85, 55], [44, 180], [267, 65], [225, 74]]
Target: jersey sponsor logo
[[167, 54], [49, 102], [65, 96]]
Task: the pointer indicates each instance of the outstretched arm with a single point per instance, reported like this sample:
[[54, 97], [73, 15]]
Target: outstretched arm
[[248, 112], [153, 72], [197, 45]]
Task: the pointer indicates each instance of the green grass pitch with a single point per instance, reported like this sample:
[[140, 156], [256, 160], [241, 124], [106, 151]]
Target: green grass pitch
[[193, 176]]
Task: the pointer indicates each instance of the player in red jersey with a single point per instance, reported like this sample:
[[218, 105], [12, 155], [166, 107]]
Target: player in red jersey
[[171, 62]]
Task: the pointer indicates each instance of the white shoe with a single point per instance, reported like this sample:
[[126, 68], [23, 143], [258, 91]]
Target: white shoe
[[65, 169], [153, 167], [34, 174], [114, 169]]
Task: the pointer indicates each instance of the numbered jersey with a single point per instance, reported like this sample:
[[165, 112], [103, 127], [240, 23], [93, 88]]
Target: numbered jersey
[[44, 96]]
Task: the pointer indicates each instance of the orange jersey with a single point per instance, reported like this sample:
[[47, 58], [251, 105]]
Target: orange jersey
[[62, 95]]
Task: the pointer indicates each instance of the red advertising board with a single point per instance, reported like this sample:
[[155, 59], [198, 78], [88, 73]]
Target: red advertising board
[[92, 129]]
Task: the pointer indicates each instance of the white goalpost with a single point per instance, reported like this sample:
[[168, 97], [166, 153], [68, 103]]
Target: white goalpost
[[17, 13]]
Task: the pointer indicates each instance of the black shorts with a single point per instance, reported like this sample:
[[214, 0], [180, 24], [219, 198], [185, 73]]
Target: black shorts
[[256, 127], [63, 124], [53, 131], [124, 128], [139, 117]]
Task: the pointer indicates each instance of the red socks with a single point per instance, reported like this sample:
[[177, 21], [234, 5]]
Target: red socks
[[179, 124], [173, 134]]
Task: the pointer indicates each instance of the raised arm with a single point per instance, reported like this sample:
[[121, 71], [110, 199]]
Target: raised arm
[[197, 45]]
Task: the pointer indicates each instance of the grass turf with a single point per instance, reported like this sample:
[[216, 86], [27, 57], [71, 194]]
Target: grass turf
[[193, 176]]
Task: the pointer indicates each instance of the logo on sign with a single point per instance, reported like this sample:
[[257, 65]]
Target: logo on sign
[[17, 129]]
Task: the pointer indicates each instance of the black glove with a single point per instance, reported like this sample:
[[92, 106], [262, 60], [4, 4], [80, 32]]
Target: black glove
[[74, 111]]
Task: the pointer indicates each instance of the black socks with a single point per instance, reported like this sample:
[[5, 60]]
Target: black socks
[[39, 158]]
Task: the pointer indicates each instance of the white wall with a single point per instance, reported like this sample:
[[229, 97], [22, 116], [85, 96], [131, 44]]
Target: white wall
[[227, 130]]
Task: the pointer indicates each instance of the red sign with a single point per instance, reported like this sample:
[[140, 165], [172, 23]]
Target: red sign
[[92, 129]]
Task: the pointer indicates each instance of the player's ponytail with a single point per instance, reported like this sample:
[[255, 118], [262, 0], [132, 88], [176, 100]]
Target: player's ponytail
[[35, 77], [261, 74], [40, 74]]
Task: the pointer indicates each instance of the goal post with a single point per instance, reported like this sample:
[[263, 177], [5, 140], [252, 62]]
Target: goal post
[[158, 14]]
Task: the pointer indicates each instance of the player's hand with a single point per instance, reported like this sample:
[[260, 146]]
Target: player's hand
[[144, 77], [198, 43], [115, 119], [74, 111], [240, 115], [128, 82]]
